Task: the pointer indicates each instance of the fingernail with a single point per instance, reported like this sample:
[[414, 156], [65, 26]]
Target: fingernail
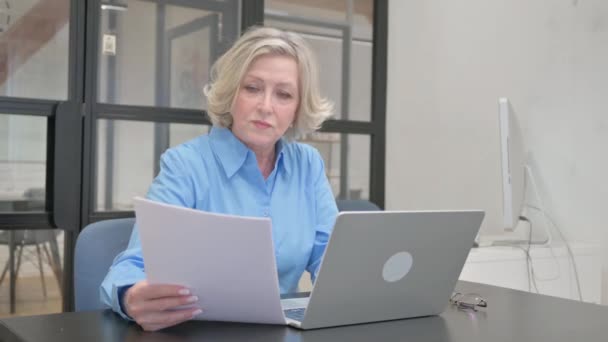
[[183, 292], [197, 312], [192, 299]]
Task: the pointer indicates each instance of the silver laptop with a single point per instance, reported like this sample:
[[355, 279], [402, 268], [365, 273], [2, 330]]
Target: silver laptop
[[387, 265]]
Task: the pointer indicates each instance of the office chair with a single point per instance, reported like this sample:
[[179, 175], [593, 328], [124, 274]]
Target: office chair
[[356, 205], [96, 247], [38, 239], [33, 200]]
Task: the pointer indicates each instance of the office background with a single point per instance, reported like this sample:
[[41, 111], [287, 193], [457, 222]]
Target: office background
[[447, 65]]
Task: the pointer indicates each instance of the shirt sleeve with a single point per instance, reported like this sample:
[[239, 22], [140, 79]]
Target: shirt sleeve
[[126, 270], [170, 186], [326, 212]]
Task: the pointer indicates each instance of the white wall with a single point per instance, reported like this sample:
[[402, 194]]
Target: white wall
[[449, 61]]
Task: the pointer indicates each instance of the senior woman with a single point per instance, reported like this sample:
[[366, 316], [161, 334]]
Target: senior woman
[[263, 92]]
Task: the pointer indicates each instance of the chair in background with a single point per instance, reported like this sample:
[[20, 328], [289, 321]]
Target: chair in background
[[45, 242], [356, 205], [96, 247], [39, 240]]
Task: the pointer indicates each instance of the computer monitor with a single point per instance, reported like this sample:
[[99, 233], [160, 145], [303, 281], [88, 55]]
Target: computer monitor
[[507, 228], [510, 189], [512, 165]]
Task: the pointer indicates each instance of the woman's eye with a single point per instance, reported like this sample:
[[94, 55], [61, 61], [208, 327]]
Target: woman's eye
[[251, 89], [284, 95]]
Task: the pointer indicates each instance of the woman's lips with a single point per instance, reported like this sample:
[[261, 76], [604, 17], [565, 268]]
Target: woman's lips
[[261, 124]]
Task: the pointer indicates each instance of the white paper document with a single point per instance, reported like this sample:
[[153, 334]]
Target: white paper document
[[227, 261]]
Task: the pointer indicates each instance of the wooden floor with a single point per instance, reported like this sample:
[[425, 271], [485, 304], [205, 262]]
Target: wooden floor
[[29, 298]]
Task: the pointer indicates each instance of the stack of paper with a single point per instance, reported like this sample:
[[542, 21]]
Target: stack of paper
[[227, 261]]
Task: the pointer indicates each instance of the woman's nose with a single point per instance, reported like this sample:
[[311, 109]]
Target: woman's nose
[[265, 104]]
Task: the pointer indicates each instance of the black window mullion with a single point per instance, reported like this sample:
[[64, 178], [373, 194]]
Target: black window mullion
[[108, 215], [76, 55], [67, 139], [93, 16], [15, 105], [349, 127], [252, 13], [215, 6], [29, 220], [379, 60], [65, 136], [147, 113]]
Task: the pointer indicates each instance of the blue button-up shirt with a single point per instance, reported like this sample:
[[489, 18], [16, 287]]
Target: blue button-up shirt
[[218, 173]]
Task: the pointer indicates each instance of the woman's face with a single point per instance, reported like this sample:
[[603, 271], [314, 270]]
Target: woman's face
[[266, 102]]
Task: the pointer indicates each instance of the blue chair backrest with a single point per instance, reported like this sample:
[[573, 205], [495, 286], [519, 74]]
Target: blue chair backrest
[[96, 247], [356, 205]]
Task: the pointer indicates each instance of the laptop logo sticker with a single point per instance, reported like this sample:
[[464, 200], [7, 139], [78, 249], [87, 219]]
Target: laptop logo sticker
[[397, 267]]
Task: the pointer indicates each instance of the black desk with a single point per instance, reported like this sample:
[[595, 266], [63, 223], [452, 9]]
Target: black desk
[[511, 316]]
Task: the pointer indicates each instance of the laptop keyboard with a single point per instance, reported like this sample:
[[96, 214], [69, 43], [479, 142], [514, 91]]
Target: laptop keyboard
[[295, 314]]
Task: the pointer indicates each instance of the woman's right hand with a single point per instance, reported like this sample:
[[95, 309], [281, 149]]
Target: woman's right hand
[[154, 306]]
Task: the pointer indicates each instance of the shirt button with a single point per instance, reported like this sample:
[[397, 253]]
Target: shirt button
[[266, 213]]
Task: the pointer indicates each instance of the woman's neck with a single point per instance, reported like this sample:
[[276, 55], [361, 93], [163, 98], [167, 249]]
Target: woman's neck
[[266, 159], [265, 156]]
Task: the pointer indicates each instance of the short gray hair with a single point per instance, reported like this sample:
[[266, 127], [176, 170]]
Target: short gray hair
[[228, 71]]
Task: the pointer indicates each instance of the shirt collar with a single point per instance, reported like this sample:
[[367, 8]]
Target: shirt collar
[[232, 153], [282, 155]]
